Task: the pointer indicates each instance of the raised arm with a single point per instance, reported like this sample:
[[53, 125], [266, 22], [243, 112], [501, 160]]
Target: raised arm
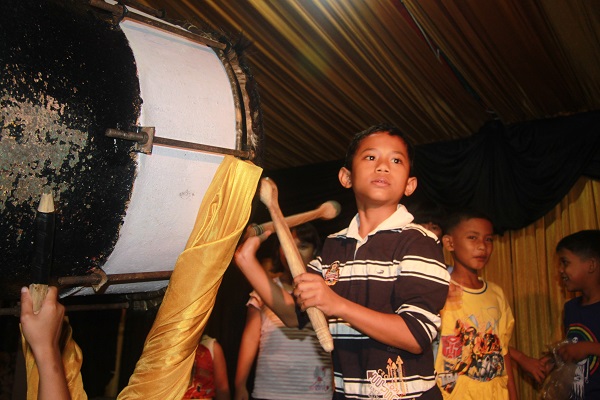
[[42, 332], [274, 297]]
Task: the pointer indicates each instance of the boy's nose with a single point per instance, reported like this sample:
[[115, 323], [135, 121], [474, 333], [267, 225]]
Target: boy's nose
[[382, 167]]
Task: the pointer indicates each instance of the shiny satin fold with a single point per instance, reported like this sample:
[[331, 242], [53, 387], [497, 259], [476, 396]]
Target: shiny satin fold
[[71, 358], [163, 371]]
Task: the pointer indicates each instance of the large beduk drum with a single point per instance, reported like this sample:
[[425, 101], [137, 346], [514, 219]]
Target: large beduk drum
[[69, 73]]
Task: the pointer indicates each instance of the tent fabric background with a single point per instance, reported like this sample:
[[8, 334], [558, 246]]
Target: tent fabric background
[[514, 173]]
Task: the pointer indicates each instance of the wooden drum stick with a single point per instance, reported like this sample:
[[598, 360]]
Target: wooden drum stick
[[328, 210], [268, 195]]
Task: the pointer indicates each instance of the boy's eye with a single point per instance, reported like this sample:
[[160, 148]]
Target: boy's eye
[[370, 158], [396, 160], [491, 240]]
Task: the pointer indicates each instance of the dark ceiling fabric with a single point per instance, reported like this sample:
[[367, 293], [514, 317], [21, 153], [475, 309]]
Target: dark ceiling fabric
[[516, 173]]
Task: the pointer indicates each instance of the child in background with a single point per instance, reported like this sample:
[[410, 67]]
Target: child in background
[[431, 216], [579, 260], [291, 362], [209, 372], [477, 322], [382, 280]]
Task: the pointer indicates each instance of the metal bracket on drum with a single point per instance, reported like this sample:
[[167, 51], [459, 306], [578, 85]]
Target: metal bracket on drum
[[97, 279], [145, 140]]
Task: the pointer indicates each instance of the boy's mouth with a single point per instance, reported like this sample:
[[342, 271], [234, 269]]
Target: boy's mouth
[[380, 181]]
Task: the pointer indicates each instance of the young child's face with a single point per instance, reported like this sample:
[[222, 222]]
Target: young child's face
[[573, 270], [433, 228], [306, 250], [380, 171], [471, 243]]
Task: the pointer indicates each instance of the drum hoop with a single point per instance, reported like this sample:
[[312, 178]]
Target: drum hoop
[[238, 79]]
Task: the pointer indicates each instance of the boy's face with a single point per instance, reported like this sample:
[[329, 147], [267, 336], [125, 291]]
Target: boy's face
[[471, 243], [380, 171], [574, 271]]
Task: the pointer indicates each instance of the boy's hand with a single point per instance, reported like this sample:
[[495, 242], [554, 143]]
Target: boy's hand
[[42, 330], [311, 290], [574, 352], [535, 367]]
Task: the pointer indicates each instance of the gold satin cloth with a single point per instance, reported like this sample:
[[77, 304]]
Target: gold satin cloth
[[163, 371], [71, 359]]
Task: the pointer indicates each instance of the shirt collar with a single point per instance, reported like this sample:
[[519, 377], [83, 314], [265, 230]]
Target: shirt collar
[[398, 220]]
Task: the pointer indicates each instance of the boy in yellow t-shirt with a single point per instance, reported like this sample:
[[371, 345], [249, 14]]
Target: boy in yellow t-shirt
[[477, 322]]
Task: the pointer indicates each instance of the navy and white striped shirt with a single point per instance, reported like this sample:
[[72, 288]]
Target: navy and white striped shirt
[[398, 268]]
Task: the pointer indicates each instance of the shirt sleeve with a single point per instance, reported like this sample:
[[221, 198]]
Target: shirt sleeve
[[421, 288]]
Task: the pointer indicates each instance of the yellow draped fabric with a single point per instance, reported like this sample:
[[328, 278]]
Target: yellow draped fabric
[[71, 358], [164, 368], [163, 371], [524, 264]]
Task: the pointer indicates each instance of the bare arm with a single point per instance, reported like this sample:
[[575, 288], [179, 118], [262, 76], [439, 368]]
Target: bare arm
[[312, 291], [274, 297], [533, 366], [42, 332], [575, 352], [512, 389], [247, 353], [220, 372]]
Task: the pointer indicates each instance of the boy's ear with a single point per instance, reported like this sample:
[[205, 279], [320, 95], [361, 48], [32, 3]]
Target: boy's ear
[[344, 175], [411, 185], [448, 243], [594, 265]]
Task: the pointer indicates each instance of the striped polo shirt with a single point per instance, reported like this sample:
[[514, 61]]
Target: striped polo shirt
[[398, 268]]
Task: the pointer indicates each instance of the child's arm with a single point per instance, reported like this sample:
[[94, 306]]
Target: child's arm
[[42, 332], [391, 329], [512, 389], [220, 373], [274, 297], [575, 352], [247, 354], [533, 366]]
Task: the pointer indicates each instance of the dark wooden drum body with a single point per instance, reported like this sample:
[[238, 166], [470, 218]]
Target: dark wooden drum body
[[68, 74]]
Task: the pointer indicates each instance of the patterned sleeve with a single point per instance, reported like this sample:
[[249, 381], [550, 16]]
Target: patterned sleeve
[[421, 287]]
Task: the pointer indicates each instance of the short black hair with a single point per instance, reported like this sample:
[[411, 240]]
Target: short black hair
[[456, 217], [585, 244], [382, 127]]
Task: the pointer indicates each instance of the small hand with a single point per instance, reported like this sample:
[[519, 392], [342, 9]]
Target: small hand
[[42, 330], [311, 290], [573, 352], [536, 368], [246, 252]]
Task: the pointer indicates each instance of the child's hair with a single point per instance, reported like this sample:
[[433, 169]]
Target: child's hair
[[383, 127], [305, 233], [425, 212], [458, 216], [585, 244]]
